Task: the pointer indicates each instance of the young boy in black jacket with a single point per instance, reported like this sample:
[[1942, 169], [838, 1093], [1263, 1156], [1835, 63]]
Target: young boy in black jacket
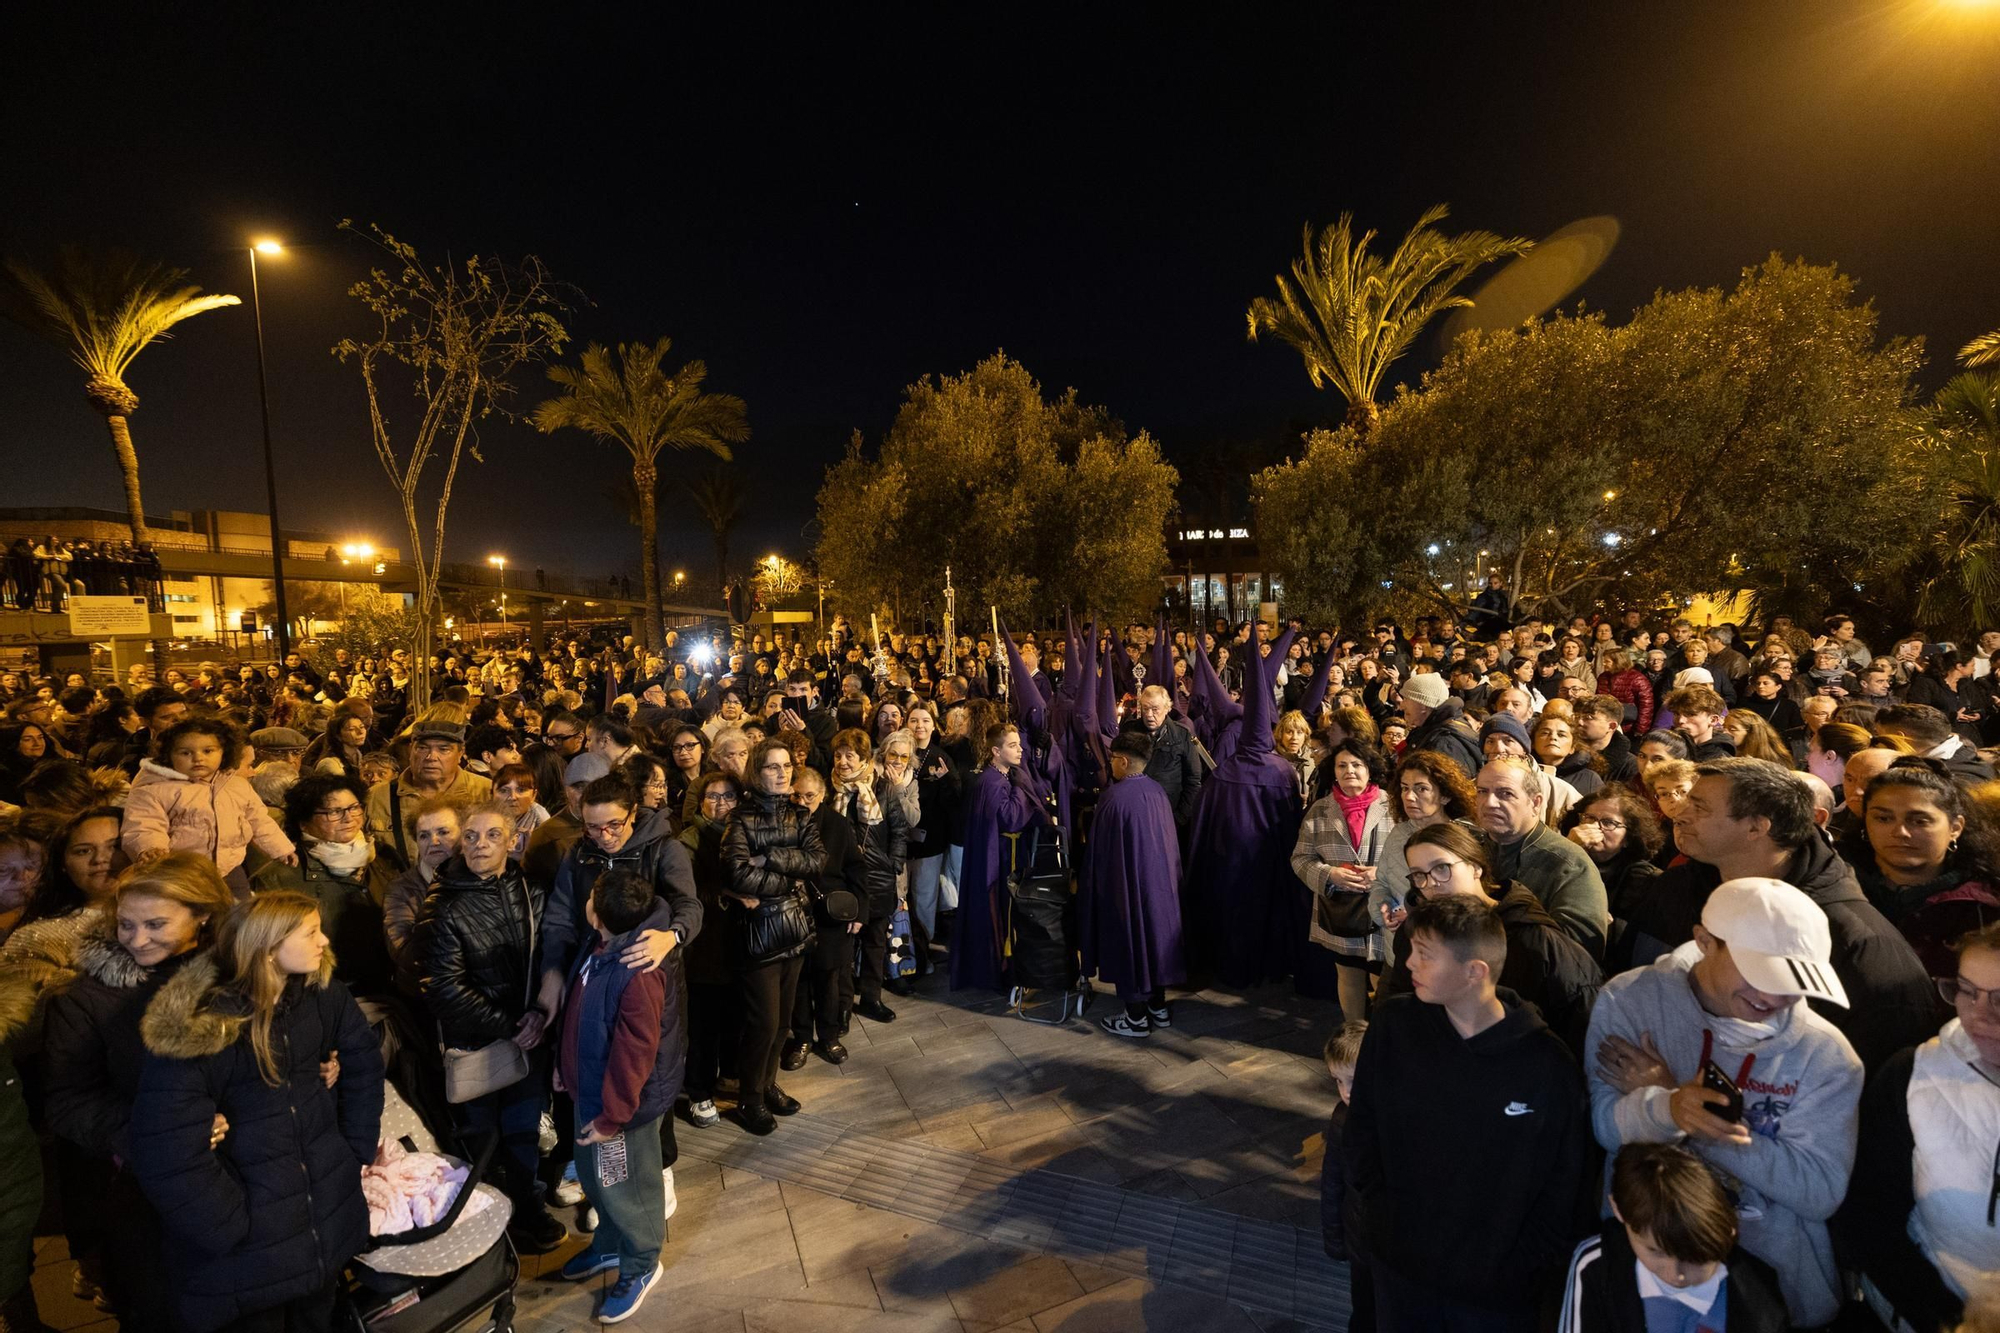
[[1466, 1137], [1669, 1260], [1339, 1204]]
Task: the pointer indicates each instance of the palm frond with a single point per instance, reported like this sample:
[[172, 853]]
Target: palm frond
[[632, 400], [1982, 351], [103, 309]]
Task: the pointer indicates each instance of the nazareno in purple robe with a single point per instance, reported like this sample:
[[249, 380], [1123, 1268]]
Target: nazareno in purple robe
[[996, 806], [1130, 918], [1242, 906]]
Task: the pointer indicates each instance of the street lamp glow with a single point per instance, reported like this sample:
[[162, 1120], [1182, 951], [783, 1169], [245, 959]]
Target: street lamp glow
[[772, 560], [358, 550], [1432, 549], [497, 561], [267, 246], [1611, 495], [1612, 539]]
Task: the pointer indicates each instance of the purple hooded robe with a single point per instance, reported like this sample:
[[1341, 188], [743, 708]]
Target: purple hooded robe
[[1130, 917]]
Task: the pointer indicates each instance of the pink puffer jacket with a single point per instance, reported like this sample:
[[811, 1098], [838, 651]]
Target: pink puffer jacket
[[165, 812]]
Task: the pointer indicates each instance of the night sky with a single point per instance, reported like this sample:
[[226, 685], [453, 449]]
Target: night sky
[[826, 211]]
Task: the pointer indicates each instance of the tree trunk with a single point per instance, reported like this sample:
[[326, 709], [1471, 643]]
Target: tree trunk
[[135, 513], [1362, 414], [721, 563], [646, 479]]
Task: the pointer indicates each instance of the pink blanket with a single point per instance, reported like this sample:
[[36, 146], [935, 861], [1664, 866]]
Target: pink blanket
[[406, 1189]]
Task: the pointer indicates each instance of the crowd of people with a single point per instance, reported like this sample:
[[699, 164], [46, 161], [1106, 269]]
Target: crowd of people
[[1668, 956]]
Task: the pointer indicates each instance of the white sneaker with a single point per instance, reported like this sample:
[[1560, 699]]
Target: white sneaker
[[568, 1192], [704, 1115], [1124, 1025], [545, 1138], [667, 1185]]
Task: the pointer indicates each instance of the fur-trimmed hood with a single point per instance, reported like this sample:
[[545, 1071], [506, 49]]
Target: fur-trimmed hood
[[21, 985], [101, 958], [193, 1016]]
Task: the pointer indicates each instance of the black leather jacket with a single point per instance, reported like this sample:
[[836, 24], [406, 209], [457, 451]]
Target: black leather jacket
[[475, 952], [784, 835], [884, 845]]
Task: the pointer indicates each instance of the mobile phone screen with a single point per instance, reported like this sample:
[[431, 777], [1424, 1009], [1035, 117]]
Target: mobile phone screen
[[1713, 1077]]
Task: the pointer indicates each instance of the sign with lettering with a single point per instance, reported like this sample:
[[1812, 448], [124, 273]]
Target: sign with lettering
[[101, 617]]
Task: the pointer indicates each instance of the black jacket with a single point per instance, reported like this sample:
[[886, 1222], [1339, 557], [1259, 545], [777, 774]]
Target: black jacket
[[1620, 764], [1469, 1148], [709, 959], [651, 853], [476, 952], [1447, 732], [1176, 769], [1340, 1226], [780, 832], [275, 1212], [884, 845], [1545, 966], [937, 801], [1628, 878], [1603, 1294], [846, 869], [1888, 991], [91, 1049]]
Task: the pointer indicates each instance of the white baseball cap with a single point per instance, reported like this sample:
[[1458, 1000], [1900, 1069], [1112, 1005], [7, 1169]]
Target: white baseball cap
[[1777, 937]]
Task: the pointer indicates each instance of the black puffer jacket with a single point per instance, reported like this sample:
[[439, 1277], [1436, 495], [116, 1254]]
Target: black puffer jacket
[[91, 1048], [710, 961], [937, 801], [780, 832], [276, 1211], [476, 952]]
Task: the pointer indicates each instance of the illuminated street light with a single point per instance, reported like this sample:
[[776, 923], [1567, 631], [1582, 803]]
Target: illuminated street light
[[499, 562], [1612, 539], [1611, 495], [268, 246]]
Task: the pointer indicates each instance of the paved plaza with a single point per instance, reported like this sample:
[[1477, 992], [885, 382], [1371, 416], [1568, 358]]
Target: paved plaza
[[967, 1171]]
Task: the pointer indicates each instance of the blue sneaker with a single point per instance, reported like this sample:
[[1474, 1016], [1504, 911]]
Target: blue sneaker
[[587, 1263], [626, 1296]]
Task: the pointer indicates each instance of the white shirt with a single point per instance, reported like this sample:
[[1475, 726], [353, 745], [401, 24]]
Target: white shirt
[[1699, 1298]]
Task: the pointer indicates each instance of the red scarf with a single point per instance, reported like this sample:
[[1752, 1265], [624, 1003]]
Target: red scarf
[[1356, 809]]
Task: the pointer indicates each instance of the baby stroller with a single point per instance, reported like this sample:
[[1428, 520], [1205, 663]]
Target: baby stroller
[[1041, 936], [456, 1275]]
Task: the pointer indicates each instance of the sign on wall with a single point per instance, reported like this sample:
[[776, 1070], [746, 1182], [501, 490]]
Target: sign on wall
[[99, 617]]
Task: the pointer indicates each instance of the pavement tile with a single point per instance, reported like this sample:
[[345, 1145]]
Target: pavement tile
[[1138, 1304], [1015, 1125], [1018, 1290]]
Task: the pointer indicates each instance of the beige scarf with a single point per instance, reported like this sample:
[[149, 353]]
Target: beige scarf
[[859, 795]]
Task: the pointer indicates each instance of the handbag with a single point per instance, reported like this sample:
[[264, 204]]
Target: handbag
[[1343, 913], [470, 1075], [779, 927], [840, 906]]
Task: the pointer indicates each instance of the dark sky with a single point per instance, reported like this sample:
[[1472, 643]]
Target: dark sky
[[827, 205]]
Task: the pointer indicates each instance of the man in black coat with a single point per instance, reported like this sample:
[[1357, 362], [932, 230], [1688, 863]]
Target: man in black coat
[[819, 1014], [1173, 765], [1747, 818]]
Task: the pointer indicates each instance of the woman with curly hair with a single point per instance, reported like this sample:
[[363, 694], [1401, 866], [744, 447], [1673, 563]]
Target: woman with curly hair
[[1619, 830], [1427, 789]]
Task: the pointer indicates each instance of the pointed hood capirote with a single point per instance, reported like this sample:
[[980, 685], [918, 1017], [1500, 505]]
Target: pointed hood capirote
[[1163, 658], [1258, 673], [1316, 691]]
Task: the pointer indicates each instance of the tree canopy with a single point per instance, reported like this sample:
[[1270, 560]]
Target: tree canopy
[[1036, 503], [1717, 441]]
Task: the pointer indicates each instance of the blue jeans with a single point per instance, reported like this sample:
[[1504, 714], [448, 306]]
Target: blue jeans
[[629, 1221], [924, 891]]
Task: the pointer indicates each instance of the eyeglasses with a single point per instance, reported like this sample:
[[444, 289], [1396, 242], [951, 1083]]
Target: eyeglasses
[[1438, 874], [680, 746], [1608, 825], [342, 813], [1953, 990], [558, 736], [611, 827]]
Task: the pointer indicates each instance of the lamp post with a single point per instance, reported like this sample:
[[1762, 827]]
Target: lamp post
[[499, 562], [270, 247], [350, 553]]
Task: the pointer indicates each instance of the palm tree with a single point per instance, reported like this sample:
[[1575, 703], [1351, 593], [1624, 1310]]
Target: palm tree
[[639, 405], [718, 497], [1351, 314], [1960, 577], [1981, 351], [104, 310]]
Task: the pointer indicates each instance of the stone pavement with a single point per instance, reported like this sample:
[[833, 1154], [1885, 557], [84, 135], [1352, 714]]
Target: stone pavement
[[967, 1171]]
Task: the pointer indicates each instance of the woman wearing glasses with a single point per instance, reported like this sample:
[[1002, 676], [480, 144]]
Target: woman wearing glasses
[[1544, 965], [1620, 831], [1922, 1217], [345, 871]]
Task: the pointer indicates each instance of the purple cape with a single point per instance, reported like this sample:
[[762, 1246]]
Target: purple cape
[[978, 938], [1130, 918], [1243, 906]]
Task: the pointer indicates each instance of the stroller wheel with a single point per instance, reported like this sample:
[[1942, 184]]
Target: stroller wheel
[[1084, 1001], [1014, 997]]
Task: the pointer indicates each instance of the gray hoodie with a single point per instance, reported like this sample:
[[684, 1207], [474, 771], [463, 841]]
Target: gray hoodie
[[1801, 1086]]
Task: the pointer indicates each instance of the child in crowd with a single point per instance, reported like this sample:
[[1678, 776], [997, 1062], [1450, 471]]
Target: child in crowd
[[198, 802], [1339, 1204], [1672, 1264], [623, 1078]]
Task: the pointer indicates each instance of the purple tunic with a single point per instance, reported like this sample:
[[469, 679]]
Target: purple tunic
[[1130, 918], [978, 938], [1243, 908]]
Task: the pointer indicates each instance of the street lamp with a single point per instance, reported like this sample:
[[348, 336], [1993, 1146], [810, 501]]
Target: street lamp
[[267, 246], [349, 553], [499, 562]]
